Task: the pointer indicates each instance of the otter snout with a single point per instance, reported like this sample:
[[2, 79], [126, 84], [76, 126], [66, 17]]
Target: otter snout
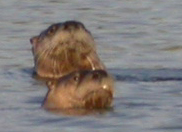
[[99, 74]]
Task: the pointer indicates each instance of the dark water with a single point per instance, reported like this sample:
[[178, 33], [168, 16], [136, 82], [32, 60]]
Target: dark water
[[138, 40]]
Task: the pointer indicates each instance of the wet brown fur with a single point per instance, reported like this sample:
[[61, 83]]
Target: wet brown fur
[[64, 48], [82, 89]]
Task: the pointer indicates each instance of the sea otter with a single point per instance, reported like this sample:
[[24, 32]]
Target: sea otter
[[64, 48], [88, 89]]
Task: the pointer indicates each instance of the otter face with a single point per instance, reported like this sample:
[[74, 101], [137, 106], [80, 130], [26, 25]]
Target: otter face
[[83, 89], [63, 48]]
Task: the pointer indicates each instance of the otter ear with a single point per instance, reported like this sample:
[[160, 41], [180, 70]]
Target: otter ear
[[51, 84], [34, 40]]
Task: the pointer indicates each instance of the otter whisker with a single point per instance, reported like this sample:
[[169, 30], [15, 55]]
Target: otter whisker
[[92, 65]]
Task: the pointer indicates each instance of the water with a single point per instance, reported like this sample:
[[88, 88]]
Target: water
[[138, 40]]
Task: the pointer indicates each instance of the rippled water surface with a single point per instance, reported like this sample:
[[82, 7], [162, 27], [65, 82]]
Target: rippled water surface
[[138, 40]]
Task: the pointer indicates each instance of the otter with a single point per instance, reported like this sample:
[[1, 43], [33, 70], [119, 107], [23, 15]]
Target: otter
[[88, 89], [64, 48]]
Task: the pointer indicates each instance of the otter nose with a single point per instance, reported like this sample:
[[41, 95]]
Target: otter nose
[[99, 74], [96, 76]]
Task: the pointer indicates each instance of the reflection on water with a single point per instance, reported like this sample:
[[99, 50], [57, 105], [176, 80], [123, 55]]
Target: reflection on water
[[80, 112], [147, 75], [140, 43]]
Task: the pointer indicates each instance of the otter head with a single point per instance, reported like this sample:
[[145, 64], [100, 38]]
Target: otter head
[[83, 89], [64, 48]]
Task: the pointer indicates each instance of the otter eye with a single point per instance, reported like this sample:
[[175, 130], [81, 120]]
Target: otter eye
[[76, 78]]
